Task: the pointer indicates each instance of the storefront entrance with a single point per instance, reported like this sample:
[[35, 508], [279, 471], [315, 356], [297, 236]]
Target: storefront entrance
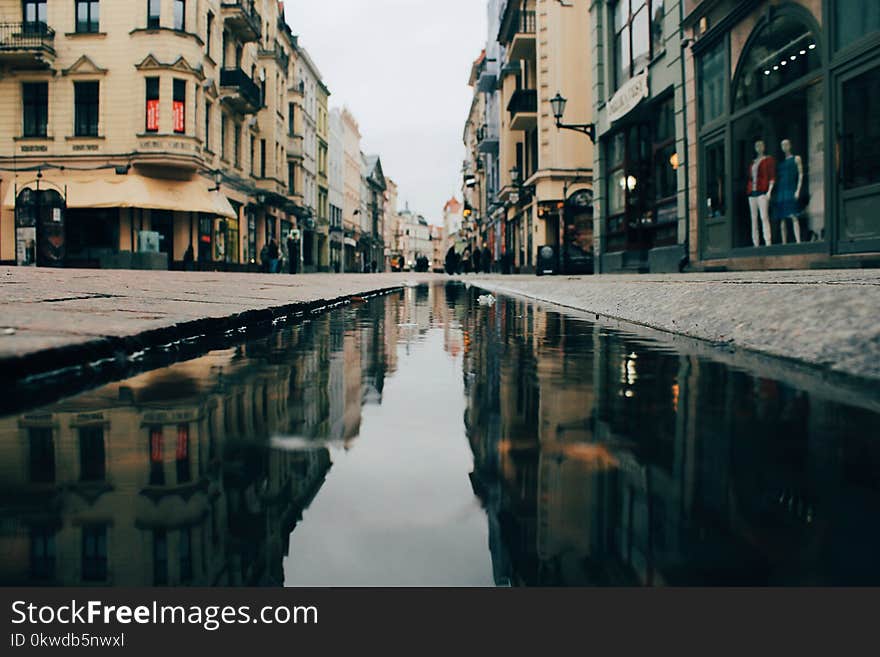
[[40, 216]]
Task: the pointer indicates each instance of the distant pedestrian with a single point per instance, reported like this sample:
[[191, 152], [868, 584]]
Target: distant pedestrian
[[487, 260], [451, 266], [264, 258], [476, 260], [374, 267], [291, 254], [274, 254]]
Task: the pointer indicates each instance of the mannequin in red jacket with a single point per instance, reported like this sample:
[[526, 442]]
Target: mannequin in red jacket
[[762, 179]]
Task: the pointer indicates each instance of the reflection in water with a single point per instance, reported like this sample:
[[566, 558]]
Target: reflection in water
[[596, 458]]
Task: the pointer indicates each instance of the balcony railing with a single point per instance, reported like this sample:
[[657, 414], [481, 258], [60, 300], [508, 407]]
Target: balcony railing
[[527, 22], [523, 101], [247, 89], [243, 17], [37, 38], [280, 55]]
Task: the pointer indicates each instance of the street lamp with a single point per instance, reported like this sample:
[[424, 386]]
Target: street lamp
[[558, 103], [218, 181]]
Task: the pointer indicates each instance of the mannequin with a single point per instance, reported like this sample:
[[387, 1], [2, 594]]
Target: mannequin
[[762, 179], [790, 174]]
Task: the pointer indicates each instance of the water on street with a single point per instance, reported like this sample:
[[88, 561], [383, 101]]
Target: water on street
[[425, 439]]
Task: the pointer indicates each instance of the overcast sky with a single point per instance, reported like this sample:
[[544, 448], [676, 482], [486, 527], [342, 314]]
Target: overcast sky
[[402, 67]]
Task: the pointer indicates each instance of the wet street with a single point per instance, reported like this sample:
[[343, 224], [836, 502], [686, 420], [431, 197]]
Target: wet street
[[424, 439]]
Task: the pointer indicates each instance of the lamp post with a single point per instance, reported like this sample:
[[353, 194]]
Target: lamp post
[[558, 103]]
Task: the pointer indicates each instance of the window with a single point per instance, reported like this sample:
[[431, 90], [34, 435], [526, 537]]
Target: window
[[291, 178], [715, 199], [179, 107], [94, 553], [209, 33], [35, 105], [184, 474], [152, 106], [160, 557], [854, 20], [861, 132], [208, 126], [712, 81], [638, 36], [91, 453], [180, 15], [224, 153], [42, 455], [291, 123], [236, 146], [783, 51], [253, 156], [35, 15], [86, 98], [157, 459], [87, 14], [262, 158], [154, 12]]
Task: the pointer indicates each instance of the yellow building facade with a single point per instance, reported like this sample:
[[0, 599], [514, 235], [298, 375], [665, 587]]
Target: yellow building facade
[[159, 131]]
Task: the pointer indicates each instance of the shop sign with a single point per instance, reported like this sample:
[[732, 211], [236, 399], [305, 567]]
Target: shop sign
[[628, 97]]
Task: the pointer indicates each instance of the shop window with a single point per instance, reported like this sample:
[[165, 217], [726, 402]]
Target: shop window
[[861, 131], [87, 16], [854, 20], [715, 200], [86, 100], [152, 106], [778, 180], [642, 184], [224, 128], [35, 107], [638, 36], [783, 51], [209, 33], [154, 12], [92, 460], [712, 81], [42, 455]]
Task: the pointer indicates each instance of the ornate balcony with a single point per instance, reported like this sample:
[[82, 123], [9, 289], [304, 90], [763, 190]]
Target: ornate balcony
[[239, 91], [295, 147], [242, 19], [27, 45]]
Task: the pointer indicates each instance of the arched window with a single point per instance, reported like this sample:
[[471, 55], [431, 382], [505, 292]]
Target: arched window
[[784, 50]]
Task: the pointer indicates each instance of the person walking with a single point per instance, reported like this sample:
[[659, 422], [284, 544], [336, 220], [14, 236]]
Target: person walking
[[264, 258], [451, 266], [487, 260], [273, 256], [291, 253]]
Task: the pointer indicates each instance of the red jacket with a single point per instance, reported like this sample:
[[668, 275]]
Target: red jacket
[[766, 175]]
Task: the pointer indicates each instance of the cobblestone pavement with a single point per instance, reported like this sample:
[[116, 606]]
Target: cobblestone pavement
[[825, 318], [65, 315], [830, 319]]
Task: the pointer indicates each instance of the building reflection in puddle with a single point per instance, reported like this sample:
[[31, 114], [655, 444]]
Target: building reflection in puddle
[[599, 457], [603, 458]]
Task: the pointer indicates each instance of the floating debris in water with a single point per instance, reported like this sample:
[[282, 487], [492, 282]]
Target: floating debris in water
[[486, 300]]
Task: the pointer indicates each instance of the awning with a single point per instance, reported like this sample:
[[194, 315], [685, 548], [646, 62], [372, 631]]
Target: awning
[[105, 189], [350, 242]]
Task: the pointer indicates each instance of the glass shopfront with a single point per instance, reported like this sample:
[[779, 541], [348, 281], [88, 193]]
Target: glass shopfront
[[789, 152], [642, 182]]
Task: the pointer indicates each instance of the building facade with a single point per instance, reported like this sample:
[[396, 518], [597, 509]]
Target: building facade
[[305, 100], [336, 194], [546, 173], [641, 202], [783, 100], [351, 208], [373, 188], [190, 175]]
